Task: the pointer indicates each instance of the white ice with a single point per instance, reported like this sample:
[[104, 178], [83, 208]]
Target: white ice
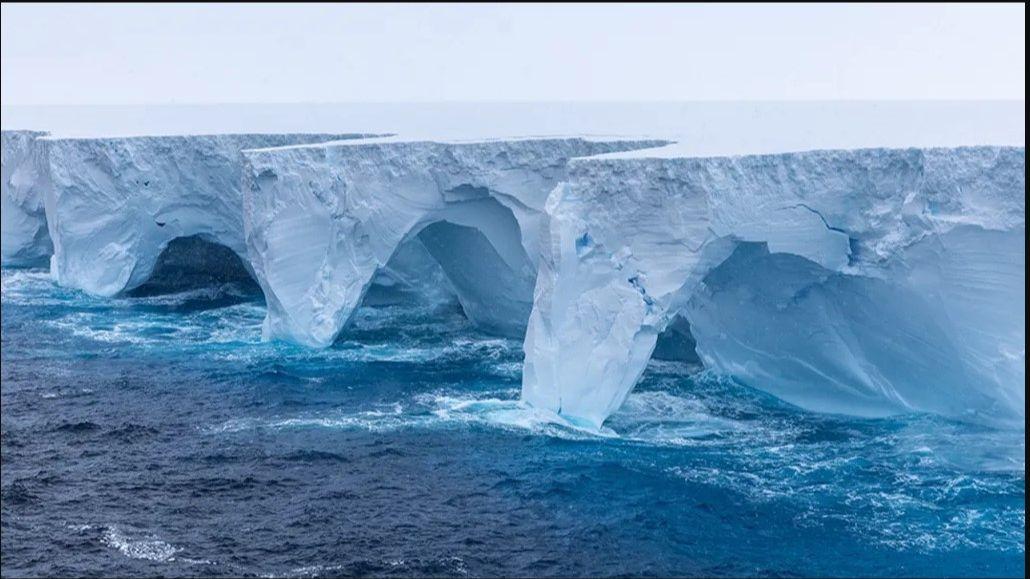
[[322, 220], [113, 204], [867, 282], [25, 239], [860, 281]]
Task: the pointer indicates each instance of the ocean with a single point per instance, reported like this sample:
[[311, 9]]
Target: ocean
[[158, 434]]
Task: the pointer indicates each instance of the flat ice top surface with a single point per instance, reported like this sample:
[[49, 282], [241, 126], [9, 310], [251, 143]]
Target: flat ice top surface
[[407, 138], [701, 128]]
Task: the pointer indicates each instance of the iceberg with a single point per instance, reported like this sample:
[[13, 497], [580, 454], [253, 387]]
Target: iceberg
[[869, 282], [25, 239], [866, 282], [322, 220], [114, 204]]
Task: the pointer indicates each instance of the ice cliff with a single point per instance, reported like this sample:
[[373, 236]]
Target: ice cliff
[[113, 204], [25, 240], [322, 220], [865, 282]]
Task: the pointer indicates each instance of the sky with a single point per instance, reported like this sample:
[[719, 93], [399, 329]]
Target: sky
[[338, 53]]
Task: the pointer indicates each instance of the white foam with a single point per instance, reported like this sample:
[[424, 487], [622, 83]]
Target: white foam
[[652, 418], [149, 549]]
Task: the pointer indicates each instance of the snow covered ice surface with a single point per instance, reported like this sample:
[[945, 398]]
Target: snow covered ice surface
[[865, 282], [701, 128]]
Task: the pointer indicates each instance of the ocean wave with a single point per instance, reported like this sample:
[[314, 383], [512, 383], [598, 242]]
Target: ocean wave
[[657, 418], [134, 547], [415, 567], [136, 544]]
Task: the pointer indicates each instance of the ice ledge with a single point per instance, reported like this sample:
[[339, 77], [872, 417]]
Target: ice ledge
[[649, 142], [790, 270]]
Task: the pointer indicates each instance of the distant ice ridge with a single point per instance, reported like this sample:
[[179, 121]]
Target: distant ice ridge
[[864, 282], [25, 239], [322, 220], [114, 204]]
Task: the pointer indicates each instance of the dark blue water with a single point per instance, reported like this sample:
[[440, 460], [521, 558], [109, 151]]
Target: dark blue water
[[159, 435]]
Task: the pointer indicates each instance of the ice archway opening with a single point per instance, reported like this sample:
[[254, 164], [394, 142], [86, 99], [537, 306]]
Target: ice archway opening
[[469, 251], [193, 262], [478, 245], [322, 220], [113, 204]]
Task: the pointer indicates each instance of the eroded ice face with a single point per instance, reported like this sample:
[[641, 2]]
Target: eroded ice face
[[324, 219], [114, 204], [864, 282], [25, 238]]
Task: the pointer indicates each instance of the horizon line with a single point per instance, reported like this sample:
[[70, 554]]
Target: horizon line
[[534, 102]]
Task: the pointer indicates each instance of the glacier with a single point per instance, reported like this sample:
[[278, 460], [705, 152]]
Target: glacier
[[25, 237], [866, 282], [114, 204], [322, 220]]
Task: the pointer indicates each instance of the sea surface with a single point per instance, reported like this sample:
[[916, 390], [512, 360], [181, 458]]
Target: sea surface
[[159, 435]]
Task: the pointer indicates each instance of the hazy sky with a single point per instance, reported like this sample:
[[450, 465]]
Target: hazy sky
[[119, 54]]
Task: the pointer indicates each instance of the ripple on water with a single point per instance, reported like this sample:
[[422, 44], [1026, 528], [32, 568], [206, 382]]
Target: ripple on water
[[912, 484]]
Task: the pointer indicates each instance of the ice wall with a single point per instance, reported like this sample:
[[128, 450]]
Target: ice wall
[[113, 204], [25, 240], [866, 282], [322, 220]]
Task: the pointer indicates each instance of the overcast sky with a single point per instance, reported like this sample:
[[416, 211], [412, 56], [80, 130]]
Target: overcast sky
[[151, 54]]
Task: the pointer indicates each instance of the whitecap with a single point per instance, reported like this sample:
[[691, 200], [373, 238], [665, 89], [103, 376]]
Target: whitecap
[[149, 549]]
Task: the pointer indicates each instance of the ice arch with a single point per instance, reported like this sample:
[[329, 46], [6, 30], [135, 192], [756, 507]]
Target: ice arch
[[411, 276], [484, 260], [323, 219], [113, 204], [867, 282], [193, 262], [476, 244]]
